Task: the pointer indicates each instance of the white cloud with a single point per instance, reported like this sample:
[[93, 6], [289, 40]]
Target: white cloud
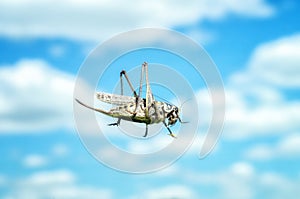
[[57, 50], [252, 116], [260, 152], [54, 184], [251, 112], [60, 150], [242, 169], [201, 35], [256, 102], [287, 147], [44, 178], [275, 63], [168, 192], [238, 180], [232, 182], [278, 186], [96, 20], [242, 180], [34, 96], [34, 160]]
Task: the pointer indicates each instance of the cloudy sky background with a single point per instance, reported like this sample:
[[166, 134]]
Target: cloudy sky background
[[254, 43]]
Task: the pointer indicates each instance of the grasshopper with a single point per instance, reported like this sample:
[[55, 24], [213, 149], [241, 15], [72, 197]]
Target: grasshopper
[[136, 109]]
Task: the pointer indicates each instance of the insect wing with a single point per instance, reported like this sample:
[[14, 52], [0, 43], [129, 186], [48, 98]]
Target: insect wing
[[115, 99]]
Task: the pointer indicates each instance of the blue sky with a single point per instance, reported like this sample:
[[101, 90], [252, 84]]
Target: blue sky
[[255, 45]]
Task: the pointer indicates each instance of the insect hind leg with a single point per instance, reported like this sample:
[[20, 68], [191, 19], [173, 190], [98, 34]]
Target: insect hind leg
[[123, 73]]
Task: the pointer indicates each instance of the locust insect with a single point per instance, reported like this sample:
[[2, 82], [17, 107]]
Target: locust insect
[[137, 109]]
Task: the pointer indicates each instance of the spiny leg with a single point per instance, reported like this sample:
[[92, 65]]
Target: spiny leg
[[119, 120], [141, 86], [123, 72], [149, 95], [171, 134], [141, 80]]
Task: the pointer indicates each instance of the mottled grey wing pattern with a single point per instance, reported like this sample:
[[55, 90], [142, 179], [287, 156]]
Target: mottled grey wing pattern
[[115, 99]]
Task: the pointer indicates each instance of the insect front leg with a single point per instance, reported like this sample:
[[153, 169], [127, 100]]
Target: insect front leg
[[116, 123], [171, 134], [146, 132]]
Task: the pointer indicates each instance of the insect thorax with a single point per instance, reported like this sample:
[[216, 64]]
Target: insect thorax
[[159, 111]]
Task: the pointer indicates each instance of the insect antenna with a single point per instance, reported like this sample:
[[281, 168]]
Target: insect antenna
[[160, 98], [184, 103], [182, 122]]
